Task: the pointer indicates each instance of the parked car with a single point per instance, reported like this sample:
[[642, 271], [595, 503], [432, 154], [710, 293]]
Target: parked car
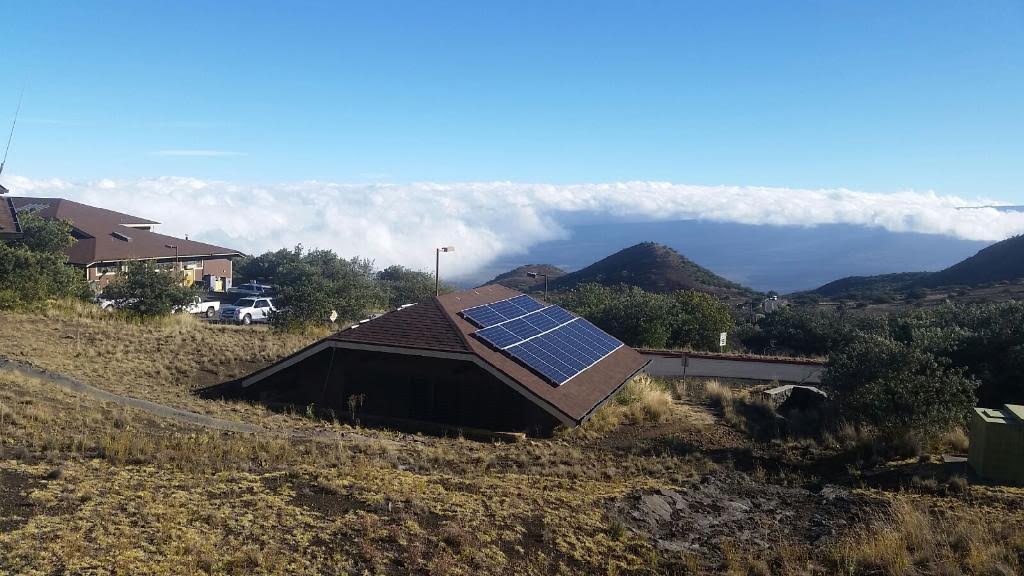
[[108, 305], [248, 310], [198, 306], [251, 289]]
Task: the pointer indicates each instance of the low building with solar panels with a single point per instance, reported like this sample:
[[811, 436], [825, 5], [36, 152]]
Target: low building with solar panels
[[489, 358]]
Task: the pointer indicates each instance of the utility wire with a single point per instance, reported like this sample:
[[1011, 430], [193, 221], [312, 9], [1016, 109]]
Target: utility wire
[[14, 123]]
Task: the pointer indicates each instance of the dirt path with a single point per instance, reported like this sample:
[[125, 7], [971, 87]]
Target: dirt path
[[176, 414]]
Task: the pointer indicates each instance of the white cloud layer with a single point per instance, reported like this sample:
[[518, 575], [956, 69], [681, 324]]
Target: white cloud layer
[[402, 223]]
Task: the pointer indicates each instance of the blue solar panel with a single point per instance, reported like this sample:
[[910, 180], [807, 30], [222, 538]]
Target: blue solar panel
[[498, 336], [501, 311], [546, 339]]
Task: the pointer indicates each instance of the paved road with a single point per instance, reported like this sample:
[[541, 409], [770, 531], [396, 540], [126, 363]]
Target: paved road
[[662, 365]]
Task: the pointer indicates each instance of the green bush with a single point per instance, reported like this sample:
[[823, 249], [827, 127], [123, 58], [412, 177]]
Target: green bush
[[404, 286], [639, 318], [144, 290], [35, 269], [898, 386], [313, 284]]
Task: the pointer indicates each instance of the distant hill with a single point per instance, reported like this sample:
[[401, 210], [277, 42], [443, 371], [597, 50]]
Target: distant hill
[[861, 286], [655, 268], [518, 280], [1000, 261], [782, 258]]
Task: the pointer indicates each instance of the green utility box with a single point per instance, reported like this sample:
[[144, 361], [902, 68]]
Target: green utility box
[[997, 443]]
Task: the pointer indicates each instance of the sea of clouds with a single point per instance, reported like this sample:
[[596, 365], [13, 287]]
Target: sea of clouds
[[403, 223]]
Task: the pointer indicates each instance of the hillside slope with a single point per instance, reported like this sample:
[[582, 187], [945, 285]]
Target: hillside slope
[[655, 268], [1000, 261], [859, 286], [517, 279]]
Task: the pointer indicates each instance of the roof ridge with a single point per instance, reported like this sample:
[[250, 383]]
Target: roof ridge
[[436, 301]]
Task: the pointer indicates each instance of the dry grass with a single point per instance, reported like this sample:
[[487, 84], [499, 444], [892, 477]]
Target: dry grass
[[912, 539], [641, 400], [101, 489], [163, 359]]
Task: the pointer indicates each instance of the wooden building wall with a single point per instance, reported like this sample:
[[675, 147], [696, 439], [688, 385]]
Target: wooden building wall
[[413, 388]]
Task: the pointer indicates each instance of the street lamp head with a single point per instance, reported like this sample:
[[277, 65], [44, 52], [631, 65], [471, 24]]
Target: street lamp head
[[447, 249], [171, 246], [531, 274]]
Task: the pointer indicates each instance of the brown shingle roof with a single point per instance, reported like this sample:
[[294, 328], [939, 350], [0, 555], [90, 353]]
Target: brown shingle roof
[[424, 326], [109, 236], [436, 325]]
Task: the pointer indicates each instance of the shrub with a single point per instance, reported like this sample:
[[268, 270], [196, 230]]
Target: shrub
[[144, 290], [639, 318], [897, 386], [29, 277]]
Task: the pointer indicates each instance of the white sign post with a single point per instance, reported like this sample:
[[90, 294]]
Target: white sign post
[[721, 340]]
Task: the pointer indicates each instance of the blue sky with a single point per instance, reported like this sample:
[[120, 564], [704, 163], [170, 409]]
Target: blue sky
[[876, 96]]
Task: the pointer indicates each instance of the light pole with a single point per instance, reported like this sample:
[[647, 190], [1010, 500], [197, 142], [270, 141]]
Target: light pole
[[545, 276], [437, 267], [175, 247]]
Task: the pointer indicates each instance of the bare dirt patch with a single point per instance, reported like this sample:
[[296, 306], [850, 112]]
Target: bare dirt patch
[[730, 507], [15, 505]]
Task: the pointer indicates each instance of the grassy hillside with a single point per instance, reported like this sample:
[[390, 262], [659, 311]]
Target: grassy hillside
[[998, 262], [518, 280], [90, 487], [655, 268]]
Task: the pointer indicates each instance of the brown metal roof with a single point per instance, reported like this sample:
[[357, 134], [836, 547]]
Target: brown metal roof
[[109, 236], [436, 325], [9, 227]]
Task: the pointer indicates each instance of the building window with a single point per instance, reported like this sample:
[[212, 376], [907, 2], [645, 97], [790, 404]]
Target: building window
[[108, 269]]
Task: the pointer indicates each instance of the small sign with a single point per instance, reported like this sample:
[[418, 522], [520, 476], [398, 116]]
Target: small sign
[[721, 339], [686, 361], [334, 316]]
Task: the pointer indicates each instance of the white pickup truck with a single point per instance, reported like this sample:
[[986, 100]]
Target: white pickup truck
[[207, 309], [248, 310]]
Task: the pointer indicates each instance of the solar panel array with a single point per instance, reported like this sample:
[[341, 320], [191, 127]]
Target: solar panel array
[[546, 339], [504, 310]]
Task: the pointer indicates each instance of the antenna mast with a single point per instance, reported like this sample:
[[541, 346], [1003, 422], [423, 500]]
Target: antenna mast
[[10, 137]]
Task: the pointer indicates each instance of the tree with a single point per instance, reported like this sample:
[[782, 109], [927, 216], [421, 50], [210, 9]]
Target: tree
[[266, 266], [313, 284], [35, 269], [404, 286], [145, 290], [898, 386], [46, 236], [697, 318], [588, 300]]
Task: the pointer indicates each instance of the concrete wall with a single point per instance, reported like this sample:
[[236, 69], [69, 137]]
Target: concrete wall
[[662, 365]]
